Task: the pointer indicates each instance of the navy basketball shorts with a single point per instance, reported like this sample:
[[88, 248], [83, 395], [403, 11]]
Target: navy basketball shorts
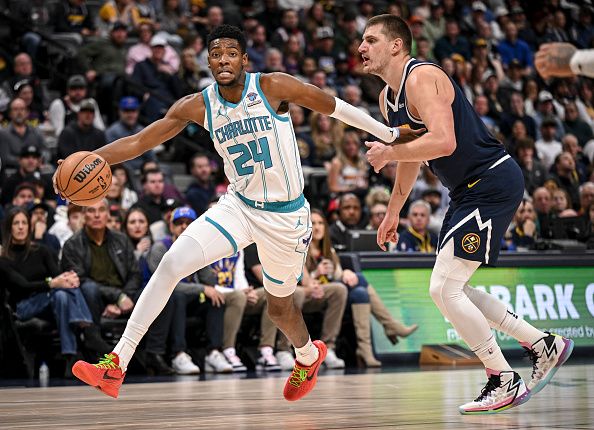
[[481, 211]]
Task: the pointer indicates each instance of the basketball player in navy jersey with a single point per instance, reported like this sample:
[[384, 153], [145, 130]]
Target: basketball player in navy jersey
[[486, 187], [248, 120]]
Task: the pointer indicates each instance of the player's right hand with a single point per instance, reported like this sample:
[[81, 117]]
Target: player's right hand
[[386, 232], [55, 179]]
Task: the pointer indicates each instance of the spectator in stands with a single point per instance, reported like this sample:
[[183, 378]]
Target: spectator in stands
[[302, 129], [81, 135], [39, 289], [574, 125], [517, 113], [63, 111], [126, 126], [543, 204], [124, 11], [561, 201], [586, 196], [73, 16], [546, 110], [513, 48], [324, 51], [202, 190], [214, 18], [142, 50], [128, 194], [189, 72], [377, 213], [481, 106], [523, 230], [533, 170], [136, 227], [152, 200], [495, 95], [547, 147], [24, 194], [326, 133], [513, 80], [292, 56], [434, 198], [566, 176], [30, 161], [451, 42], [23, 71], [273, 61], [118, 195], [571, 145], [349, 217], [163, 87], [289, 26], [428, 181], [18, 135], [39, 220], [417, 237], [257, 47], [530, 96], [175, 21], [170, 191], [24, 91], [64, 227], [194, 297], [349, 170], [435, 24], [105, 262]]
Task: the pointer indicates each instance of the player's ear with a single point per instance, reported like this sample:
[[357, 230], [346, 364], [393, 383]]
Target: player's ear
[[397, 45], [244, 59]]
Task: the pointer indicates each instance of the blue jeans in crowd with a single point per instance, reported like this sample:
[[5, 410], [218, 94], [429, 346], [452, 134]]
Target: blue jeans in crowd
[[358, 294], [68, 307]]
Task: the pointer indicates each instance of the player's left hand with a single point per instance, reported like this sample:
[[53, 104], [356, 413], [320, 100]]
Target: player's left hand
[[377, 155], [387, 231]]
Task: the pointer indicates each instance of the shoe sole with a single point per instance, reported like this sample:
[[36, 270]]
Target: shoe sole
[[517, 402], [569, 344]]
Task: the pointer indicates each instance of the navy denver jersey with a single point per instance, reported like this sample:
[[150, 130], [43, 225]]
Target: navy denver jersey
[[476, 148], [486, 185]]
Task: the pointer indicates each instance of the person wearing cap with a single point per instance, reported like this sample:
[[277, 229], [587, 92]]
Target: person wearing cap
[[154, 74], [81, 135], [142, 50], [451, 42], [63, 110], [547, 146], [18, 135], [30, 161], [190, 296], [513, 48], [128, 125], [41, 214], [546, 109]]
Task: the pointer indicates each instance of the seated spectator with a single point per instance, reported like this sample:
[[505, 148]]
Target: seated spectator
[[428, 181], [120, 196], [23, 72], [170, 191], [136, 227], [116, 218], [570, 144], [38, 288], [124, 11], [292, 55], [586, 191], [590, 229], [434, 198], [377, 213], [561, 201], [104, 261], [326, 133], [349, 169], [189, 73], [289, 26], [152, 200], [63, 110], [142, 50], [191, 296], [533, 170], [349, 217], [24, 194], [146, 12], [65, 226], [576, 126], [305, 144], [24, 90], [30, 161], [481, 106], [73, 16], [257, 46], [18, 135], [202, 190], [543, 205], [417, 237], [513, 48], [129, 195], [517, 113], [547, 110], [38, 212], [81, 135], [547, 147], [451, 42], [566, 176], [523, 230]]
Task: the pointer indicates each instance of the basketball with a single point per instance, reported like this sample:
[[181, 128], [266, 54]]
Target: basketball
[[83, 178]]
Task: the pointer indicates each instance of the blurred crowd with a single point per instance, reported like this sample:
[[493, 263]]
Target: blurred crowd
[[76, 74]]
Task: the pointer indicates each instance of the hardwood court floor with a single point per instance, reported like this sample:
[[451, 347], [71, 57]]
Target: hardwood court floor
[[412, 400]]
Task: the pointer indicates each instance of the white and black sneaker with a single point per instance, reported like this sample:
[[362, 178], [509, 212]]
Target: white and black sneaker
[[504, 390], [183, 365], [215, 362], [234, 360], [547, 355], [267, 361]]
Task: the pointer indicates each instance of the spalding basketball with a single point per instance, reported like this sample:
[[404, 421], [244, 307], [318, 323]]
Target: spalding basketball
[[83, 178]]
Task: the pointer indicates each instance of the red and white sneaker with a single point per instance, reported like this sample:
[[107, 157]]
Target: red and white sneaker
[[106, 376], [304, 378]]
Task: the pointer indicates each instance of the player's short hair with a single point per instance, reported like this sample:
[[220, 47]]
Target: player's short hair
[[393, 27], [226, 31]]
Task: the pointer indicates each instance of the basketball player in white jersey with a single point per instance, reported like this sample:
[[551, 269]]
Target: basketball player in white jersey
[[247, 117]]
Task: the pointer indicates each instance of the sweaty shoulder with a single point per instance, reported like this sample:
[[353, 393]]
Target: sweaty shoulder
[[189, 108]]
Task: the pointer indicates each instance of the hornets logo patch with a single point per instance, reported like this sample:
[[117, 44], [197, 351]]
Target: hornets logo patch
[[253, 99], [471, 243]]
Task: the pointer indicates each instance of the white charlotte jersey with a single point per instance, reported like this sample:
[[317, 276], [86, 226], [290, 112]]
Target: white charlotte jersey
[[257, 145]]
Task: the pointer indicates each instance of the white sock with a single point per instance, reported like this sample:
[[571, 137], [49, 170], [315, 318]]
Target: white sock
[[127, 345], [491, 356], [307, 354], [500, 318]]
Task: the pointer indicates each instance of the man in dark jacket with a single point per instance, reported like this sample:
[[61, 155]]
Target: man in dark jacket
[[82, 135], [202, 190]]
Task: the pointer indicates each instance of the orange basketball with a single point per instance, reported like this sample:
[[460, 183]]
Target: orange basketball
[[83, 178]]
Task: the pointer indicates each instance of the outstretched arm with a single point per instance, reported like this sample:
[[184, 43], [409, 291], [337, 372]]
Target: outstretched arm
[[429, 95], [282, 87], [187, 109]]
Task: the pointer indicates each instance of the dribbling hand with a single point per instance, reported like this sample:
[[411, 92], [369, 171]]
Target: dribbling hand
[[55, 179], [386, 232]]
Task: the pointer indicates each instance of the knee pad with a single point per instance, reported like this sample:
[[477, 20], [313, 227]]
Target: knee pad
[[358, 295]]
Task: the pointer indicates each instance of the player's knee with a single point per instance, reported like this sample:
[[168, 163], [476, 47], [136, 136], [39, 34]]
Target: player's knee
[[436, 285], [358, 295]]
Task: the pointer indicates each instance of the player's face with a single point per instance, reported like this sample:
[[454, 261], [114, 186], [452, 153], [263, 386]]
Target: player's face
[[226, 61], [374, 50]]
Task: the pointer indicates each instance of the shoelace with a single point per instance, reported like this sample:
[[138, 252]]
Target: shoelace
[[492, 385], [298, 376], [530, 353], [107, 362]]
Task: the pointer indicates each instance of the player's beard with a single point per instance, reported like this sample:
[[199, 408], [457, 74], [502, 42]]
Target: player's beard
[[379, 66]]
